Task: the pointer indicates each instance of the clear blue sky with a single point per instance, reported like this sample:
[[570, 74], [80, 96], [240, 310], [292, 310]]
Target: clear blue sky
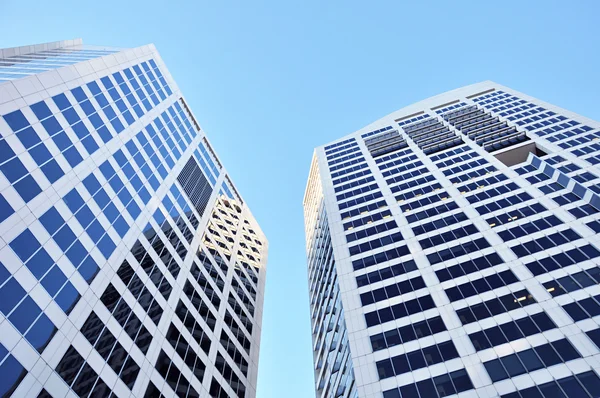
[[269, 81]]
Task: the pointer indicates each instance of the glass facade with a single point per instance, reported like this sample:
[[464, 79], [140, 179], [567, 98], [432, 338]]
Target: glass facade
[[28, 63], [127, 266], [461, 236]]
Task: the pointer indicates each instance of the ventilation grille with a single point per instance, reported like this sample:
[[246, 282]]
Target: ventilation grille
[[195, 185], [385, 143], [486, 130], [432, 136]]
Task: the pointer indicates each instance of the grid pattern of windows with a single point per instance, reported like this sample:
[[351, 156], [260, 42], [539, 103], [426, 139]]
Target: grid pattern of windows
[[87, 169], [417, 359], [511, 331], [519, 197], [529, 360]]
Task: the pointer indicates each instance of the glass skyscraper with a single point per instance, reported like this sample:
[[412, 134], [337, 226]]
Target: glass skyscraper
[[130, 266], [452, 248]]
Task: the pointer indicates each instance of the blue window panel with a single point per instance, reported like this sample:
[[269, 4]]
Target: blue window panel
[[146, 170], [40, 263], [25, 245], [168, 203], [131, 147], [154, 99], [12, 373], [128, 171], [121, 106], [52, 220], [138, 110], [3, 352], [128, 118], [4, 275], [168, 90], [104, 133], [106, 81], [165, 154], [5, 151], [146, 104], [162, 171], [89, 109], [124, 196], [141, 137], [114, 94], [41, 333], [106, 246], [121, 226], [226, 188], [16, 120], [41, 110], [205, 168], [71, 116], [61, 101], [88, 269], [67, 298], [27, 188], [92, 184], [108, 110], [85, 216], [96, 120], [153, 157], [102, 198], [107, 170], [62, 141], [79, 94], [52, 171], [28, 137], [10, 294], [76, 253], [136, 182], [65, 237], [154, 182], [14, 170], [95, 231], [94, 88], [51, 125], [90, 144], [73, 200], [118, 78], [120, 158], [143, 194], [102, 101], [39, 153], [111, 212], [80, 130], [6, 209], [117, 125], [116, 184], [134, 210], [25, 314], [209, 159], [73, 156], [54, 281], [159, 217]]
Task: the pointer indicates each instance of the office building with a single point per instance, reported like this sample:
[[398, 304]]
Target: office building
[[452, 249], [130, 266]]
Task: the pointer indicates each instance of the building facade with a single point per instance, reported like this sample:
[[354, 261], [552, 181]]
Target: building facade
[[130, 266], [452, 248]]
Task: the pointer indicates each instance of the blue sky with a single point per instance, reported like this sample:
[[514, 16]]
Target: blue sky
[[269, 81]]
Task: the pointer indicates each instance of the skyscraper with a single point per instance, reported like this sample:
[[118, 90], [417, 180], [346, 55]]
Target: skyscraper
[[130, 266], [452, 249]]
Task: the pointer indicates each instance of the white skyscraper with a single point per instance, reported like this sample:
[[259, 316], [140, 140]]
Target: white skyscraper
[[452, 249], [129, 264]]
